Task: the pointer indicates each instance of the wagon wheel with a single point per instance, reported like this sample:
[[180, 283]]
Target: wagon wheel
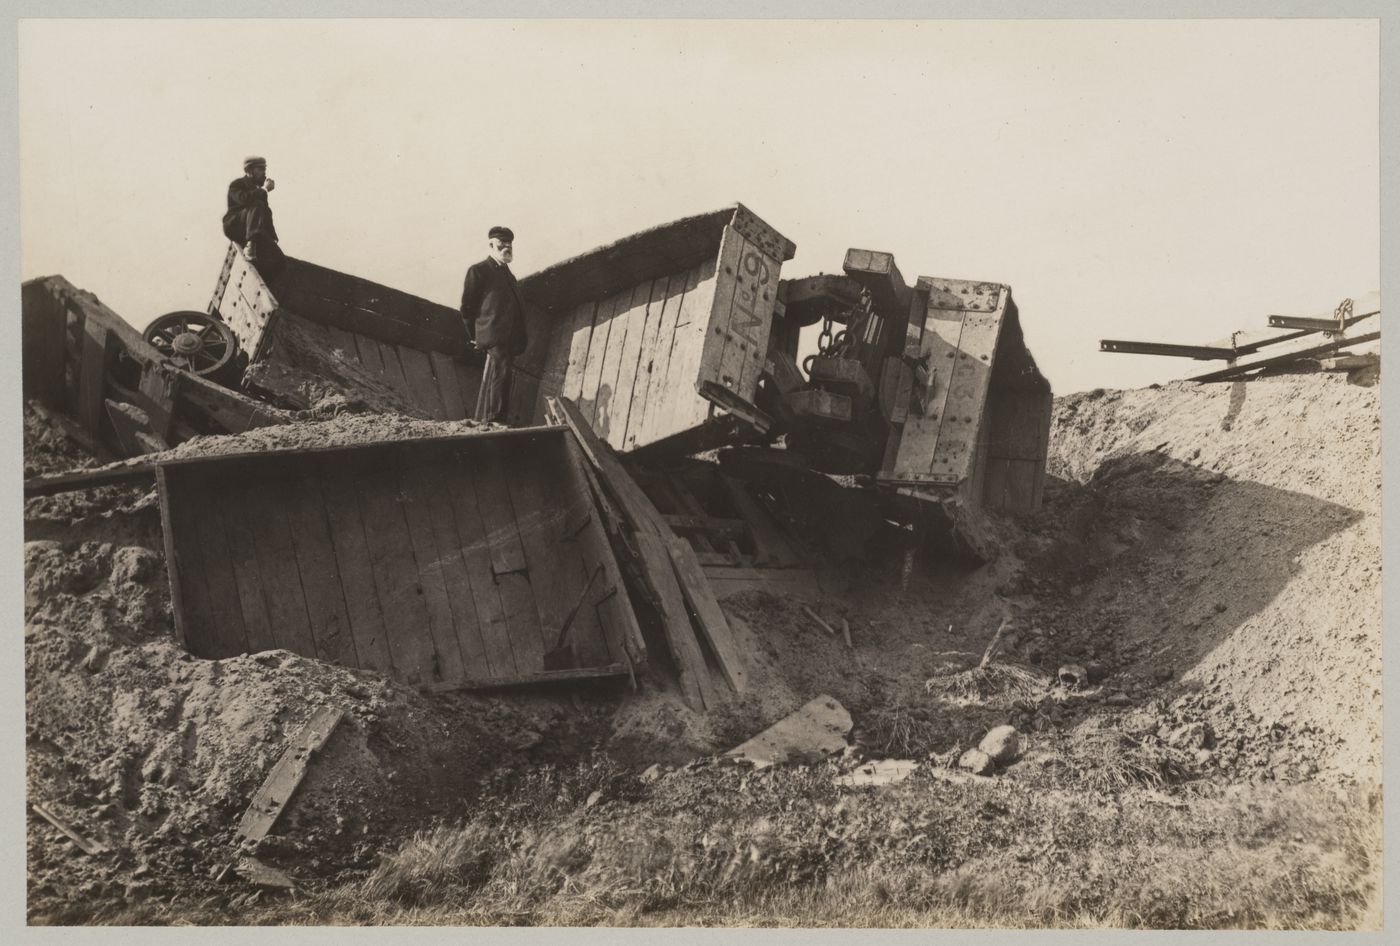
[[195, 341]]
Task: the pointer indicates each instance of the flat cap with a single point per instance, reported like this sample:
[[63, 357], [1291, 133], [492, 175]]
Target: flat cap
[[504, 234], [253, 161]]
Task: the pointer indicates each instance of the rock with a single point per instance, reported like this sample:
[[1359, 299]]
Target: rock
[[1001, 744], [1073, 676], [813, 732], [132, 563], [1119, 699], [593, 799], [95, 660], [977, 762], [651, 773]]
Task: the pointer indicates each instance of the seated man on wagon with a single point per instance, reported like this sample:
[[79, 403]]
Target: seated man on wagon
[[248, 220]]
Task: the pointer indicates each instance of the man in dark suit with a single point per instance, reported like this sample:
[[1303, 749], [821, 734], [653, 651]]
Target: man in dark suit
[[248, 220], [494, 314]]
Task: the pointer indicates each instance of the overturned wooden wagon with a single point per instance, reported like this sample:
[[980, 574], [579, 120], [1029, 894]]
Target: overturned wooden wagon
[[314, 325]]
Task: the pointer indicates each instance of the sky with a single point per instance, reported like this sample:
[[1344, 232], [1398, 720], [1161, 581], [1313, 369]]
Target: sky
[[1152, 180]]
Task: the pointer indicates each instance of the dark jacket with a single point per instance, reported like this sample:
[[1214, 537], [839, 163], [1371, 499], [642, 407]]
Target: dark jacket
[[492, 307], [239, 225]]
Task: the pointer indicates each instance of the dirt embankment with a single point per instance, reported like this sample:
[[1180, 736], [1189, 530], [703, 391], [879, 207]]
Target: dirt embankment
[[1209, 553], [1228, 536]]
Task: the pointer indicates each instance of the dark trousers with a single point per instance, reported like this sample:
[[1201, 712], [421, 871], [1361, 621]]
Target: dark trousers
[[252, 227], [495, 386]]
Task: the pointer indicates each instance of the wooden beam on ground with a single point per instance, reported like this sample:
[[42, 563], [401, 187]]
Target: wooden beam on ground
[[572, 675], [709, 616], [50, 484], [281, 783], [691, 671], [85, 844]]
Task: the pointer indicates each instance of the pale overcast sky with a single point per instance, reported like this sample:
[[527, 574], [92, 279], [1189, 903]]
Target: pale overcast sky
[[1156, 180]]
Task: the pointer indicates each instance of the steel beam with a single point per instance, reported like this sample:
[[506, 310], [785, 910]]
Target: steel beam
[[1200, 352]]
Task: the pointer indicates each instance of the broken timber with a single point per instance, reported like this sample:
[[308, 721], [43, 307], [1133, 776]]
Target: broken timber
[[670, 569], [281, 783], [85, 844], [82, 360]]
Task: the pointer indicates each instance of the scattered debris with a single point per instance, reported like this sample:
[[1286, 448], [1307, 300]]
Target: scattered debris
[[831, 631], [814, 731], [276, 792], [879, 773], [84, 843]]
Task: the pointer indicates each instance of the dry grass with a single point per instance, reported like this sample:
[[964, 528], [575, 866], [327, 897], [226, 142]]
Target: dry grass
[[724, 847], [993, 685]]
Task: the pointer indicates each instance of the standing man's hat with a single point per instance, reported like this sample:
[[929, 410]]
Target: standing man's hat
[[503, 234], [253, 161]]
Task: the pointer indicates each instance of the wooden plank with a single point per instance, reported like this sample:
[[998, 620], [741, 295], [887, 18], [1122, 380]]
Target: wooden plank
[[454, 406], [521, 398], [631, 348], [687, 409], [469, 381], [994, 494], [742, 318], [770, 545], [282, 782], [43, 341], [396, 574], [368, 352], [501, 519], [92, 374], [617, 619], [184, 574], [322, 584], [1020, 488], [578, 340], [659, 358], [597, 355], [158, 391], [942, 335], [640, 368], [638, 511], [556, 568], [394, 372], [263, 504], [50, 484], [604, 400], [474, 545], [535, 679], [708, 614], [428, 555], [967, 397], [691, 672], [556, 362], [350, 542], [201, 535], [436, 483], [85, 844], [225, 500], [418, 370]]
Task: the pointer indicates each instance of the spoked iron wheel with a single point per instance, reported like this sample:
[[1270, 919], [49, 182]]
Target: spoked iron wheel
[[195, 341]]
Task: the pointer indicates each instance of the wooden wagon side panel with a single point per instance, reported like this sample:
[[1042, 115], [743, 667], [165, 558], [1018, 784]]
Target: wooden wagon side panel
[[450, 562], [742, 317], [939, 445]]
